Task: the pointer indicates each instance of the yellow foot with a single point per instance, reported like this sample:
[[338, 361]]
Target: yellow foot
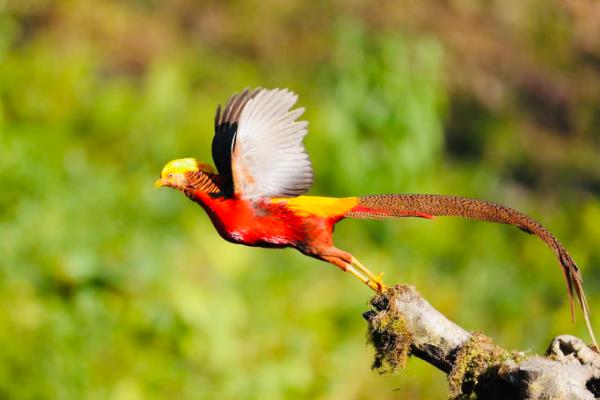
[[375, 282]]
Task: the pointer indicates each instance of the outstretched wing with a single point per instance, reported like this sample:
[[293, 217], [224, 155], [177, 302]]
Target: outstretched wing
[[268, 157], [226, 125]]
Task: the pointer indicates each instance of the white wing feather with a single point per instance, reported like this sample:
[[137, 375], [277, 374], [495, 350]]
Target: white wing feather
[[269, 158]]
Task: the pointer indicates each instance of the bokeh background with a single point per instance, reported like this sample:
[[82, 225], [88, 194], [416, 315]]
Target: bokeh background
[[110, 289]]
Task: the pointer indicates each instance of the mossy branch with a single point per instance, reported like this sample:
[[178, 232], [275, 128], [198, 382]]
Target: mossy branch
[[402, 324]]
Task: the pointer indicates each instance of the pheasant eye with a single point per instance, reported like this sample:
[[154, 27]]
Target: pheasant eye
[[170, 175]]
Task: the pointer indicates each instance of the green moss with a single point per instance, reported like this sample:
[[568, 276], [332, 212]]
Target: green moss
[[389, 335], [477, 358]]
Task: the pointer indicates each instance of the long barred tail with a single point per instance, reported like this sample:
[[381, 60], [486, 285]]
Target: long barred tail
[[429, 205]]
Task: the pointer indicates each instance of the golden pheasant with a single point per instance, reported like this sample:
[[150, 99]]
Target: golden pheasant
[[256, 197]]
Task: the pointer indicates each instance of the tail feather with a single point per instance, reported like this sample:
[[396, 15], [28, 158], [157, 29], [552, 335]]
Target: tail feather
[[428, 206]]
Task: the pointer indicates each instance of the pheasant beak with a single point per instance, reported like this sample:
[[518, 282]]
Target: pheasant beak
[[159, 183]]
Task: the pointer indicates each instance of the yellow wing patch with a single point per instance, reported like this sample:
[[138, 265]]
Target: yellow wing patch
[[319, 206]]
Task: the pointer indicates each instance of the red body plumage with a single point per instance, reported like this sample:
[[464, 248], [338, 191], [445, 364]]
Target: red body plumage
[[266, 223]]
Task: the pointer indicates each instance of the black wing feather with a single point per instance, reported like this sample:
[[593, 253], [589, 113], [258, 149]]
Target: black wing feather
[[226, 124]]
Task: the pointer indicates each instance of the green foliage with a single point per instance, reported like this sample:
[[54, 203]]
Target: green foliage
[[112, 289]]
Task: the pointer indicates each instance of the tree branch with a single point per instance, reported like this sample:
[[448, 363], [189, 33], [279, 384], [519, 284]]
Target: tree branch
[[402, 323]]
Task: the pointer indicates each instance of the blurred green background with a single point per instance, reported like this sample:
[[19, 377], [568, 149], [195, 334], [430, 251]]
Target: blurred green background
[[110, 289]]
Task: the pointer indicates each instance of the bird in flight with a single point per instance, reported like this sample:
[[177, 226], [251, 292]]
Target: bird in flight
[[256, 195]]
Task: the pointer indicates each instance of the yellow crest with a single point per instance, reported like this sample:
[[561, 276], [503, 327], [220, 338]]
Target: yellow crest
[[184, 165]]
